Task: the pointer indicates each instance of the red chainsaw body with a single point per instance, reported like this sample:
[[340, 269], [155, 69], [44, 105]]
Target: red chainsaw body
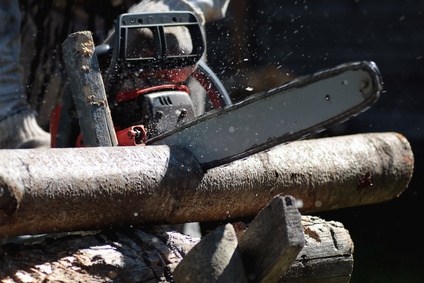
[[134, 135]]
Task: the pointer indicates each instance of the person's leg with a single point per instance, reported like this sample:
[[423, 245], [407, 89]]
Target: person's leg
[[18, 127]]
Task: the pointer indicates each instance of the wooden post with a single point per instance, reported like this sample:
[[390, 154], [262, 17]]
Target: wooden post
[[271, 243], [88, 90], [215, 259], [67, 189]]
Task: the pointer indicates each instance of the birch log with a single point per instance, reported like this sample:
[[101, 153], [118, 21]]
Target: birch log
[[54, 190]]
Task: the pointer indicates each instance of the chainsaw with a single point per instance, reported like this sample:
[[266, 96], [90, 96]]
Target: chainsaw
[[157, 108]]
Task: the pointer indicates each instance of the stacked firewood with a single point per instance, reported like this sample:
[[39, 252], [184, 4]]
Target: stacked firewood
[[278, 242], [114, 192]]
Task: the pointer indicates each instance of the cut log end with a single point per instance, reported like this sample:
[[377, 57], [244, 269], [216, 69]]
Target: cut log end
[[327, 255]]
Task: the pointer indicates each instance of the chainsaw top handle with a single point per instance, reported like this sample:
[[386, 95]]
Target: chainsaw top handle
[[148, 43], [141, 41]]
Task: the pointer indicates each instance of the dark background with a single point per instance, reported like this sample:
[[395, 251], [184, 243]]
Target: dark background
[[263, 43]]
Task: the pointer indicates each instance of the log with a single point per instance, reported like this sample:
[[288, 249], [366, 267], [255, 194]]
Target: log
[[135, 255], [98, 256], [327, 255], [88, 91], [52, 190]]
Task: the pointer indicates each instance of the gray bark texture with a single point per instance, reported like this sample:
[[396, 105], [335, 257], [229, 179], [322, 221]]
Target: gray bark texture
[[72, 189], [129, 255], [132, 255]]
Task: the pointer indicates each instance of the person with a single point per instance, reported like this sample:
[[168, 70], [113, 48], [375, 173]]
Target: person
[[18, 124]]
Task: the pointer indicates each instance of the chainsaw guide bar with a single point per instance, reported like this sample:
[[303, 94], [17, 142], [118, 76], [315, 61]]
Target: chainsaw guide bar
[[290, 112]]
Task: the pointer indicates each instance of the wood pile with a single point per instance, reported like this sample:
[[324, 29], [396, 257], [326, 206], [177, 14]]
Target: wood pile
[[110, 190], [92, 214], [305, 248]]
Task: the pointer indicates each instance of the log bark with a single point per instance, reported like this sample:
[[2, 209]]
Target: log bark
[[134, 255], [109, 256], [54, 190]]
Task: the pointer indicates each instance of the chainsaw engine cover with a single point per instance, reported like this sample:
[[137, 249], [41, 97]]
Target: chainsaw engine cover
[[159, 111], [169, 110]]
